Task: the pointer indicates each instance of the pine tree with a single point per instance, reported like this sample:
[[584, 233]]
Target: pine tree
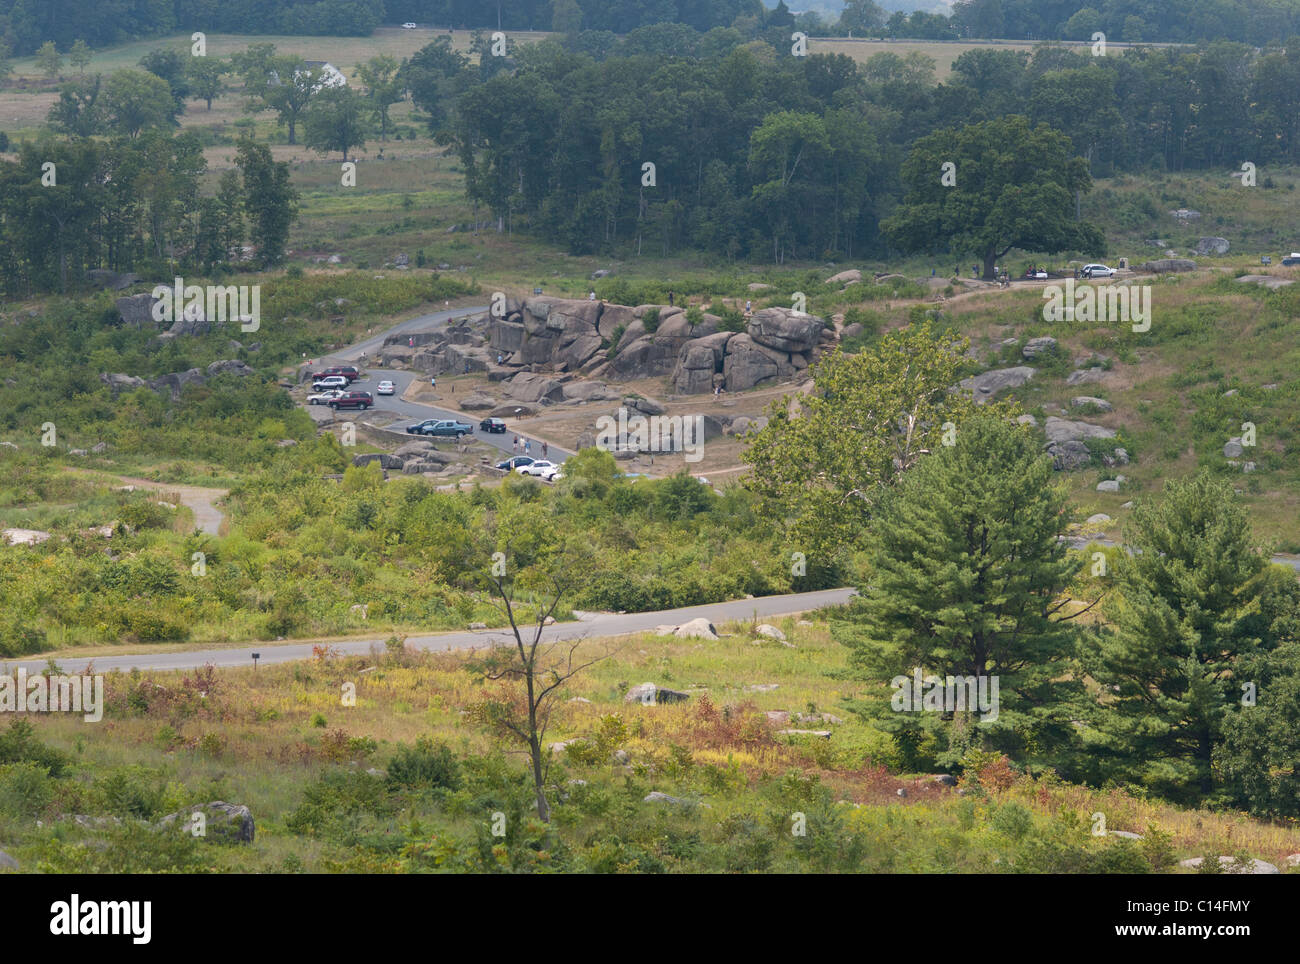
[[1184, 619], [269, 200], [968, 578]]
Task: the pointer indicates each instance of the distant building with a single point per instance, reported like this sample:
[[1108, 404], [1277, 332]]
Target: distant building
[[331, 76]]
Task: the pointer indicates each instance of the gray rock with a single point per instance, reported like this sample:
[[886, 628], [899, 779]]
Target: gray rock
[[477, 401], [649, 694], [947, 779], [1099, 519], [230, 367], [385, 460], [988, 384], [766, 629], [225, 821], [136, 311], [1265, 281], [1233, 448], [1066, 430], [534, 387], [1108, 485], [1124, 834], [696, 629], [1080, 401], [7, 862], [820, 734], [783, 330], [1085, 376], [1185, 214], [1212, 246], [118, 383], [657, 797], [646, 406], [1039, 346], [852, 276], [1229, 865], [175, 382]]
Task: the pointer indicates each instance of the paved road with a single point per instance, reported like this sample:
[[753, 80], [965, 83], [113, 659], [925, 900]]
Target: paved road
[[419, 411], [594, 626]]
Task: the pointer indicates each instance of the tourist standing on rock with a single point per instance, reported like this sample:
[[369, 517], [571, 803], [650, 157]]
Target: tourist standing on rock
[[670, 299], [749, 308], [591, 295]]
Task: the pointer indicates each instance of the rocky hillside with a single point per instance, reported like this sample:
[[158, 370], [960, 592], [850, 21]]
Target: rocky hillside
[[619, 343]]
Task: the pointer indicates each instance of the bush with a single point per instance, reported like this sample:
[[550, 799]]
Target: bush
[[425, 766], [650, 320], [25, 790], [19, 744]]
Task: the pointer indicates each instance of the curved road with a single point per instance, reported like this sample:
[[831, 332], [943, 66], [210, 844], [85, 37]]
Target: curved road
[[593, 626]]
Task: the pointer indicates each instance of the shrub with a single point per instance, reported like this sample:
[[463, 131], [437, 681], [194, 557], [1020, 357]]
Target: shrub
[[25, 789], [425, 766], [19, 744], [650, 320]]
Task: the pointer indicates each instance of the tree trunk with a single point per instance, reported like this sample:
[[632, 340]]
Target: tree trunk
[[990, 258]]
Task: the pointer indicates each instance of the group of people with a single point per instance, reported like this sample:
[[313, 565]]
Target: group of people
[[525, 446]]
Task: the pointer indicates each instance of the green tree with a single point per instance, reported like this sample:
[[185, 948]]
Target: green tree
[[269, 200], [78, 111], [48, 60], [1013, 186], [871, 416], [173, 67], [435, 75], [862, 17], [1185, 619], [334, 121], [566, 16], [967, 578], [288, 88], [204, 74], [383, 88], [80, 56], [231, 224], [784, 153], [135, 101], [6, 63]]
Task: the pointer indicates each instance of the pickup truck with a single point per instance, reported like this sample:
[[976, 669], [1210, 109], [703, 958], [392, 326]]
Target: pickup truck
[[446, 428]]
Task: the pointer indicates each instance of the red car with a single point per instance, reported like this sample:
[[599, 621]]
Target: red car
[[352, 400], [347, 371]]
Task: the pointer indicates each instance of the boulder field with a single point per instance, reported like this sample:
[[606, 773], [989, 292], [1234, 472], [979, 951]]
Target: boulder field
[[614, 342]]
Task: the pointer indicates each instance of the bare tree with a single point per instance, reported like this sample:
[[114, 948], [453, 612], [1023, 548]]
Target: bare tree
[[542, 668]]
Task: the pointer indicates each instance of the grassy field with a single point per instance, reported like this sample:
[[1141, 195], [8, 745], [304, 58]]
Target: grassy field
[[320, 780]]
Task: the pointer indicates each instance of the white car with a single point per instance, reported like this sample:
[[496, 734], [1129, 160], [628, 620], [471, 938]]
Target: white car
[[539, 468], [330, 381], [553, 474], [325, 397], [408, 26], [1097, 271], [385, 388]]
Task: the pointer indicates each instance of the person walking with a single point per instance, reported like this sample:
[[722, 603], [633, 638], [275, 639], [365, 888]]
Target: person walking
[[514, 446], [528, 447], [545, 448]]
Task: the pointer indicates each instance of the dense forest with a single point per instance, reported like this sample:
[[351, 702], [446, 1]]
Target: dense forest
[[26, 24], [664, 141]]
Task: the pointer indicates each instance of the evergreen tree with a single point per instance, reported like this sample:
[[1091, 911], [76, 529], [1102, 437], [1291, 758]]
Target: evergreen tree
[[269, 200], [967, 578], [1186, 618]]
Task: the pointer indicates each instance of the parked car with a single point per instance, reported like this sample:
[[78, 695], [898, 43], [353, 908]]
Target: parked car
[[1292, 258], [347, 371], [1097, 271], [492, 425], [329, 381], [553, 475], [538, 468], [408, 26], [513, 463], [444, 427], [385, 388], [325, 397], [361, 400]]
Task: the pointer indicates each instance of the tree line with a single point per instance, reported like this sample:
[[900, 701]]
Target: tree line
[[759, 153]]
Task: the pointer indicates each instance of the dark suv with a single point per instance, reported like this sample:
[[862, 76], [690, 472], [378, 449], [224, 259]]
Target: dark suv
[[361, 400], [347, 371]]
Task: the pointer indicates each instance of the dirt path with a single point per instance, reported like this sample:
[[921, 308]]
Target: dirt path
[[202, 502]]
